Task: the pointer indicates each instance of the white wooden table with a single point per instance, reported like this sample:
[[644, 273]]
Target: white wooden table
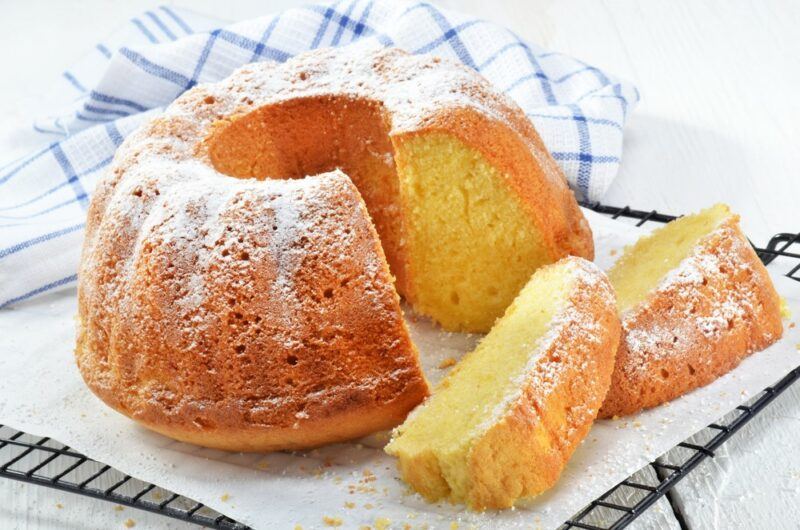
[[719, 120]]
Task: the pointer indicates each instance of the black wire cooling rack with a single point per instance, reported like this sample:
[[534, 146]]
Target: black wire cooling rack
[[622, 504], [49, 463]]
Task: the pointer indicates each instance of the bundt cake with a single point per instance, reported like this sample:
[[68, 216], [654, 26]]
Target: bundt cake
[[694, 300], [230, 300], [502, 425]]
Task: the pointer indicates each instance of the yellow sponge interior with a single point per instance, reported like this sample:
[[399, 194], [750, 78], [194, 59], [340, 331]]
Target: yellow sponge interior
[[473, 395], [642, 266], [471, 246]]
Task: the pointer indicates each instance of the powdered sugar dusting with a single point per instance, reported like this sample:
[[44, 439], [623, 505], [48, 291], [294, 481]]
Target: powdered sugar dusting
[[573, 319], [413, 88], [709, 303]]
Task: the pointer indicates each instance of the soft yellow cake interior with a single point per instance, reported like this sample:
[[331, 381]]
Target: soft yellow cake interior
[[434, 442], [642, 266], [471, 248], [455, 236]]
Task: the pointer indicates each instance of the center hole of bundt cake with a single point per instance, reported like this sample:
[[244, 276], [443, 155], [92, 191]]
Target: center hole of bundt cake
[[308, 136], [454, 235]]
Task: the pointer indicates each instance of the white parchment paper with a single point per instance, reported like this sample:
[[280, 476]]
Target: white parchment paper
[[41, 392]]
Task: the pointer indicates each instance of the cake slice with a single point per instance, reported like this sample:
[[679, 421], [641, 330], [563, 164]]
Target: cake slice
[[505, 421], [694, 300]]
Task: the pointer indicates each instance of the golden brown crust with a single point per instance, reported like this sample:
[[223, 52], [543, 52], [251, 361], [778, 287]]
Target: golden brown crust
[[717, 308], [524, 453], [228, 426]]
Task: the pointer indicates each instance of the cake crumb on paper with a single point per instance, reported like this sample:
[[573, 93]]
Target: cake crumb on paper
[[447, 363], [349, 505], [118, 508], [332, 521], [785, 311], [129, 523], [225, 497], [59, 505], [382, 437], [298, 527], [382, 523]]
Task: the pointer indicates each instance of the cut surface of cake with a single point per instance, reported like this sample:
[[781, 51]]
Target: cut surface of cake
[[694, 300], [504, 422]]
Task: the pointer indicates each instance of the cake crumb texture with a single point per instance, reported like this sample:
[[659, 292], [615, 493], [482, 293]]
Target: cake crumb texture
[[502, 425]]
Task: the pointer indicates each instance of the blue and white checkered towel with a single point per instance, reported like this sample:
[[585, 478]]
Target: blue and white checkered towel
[[579, 110]]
